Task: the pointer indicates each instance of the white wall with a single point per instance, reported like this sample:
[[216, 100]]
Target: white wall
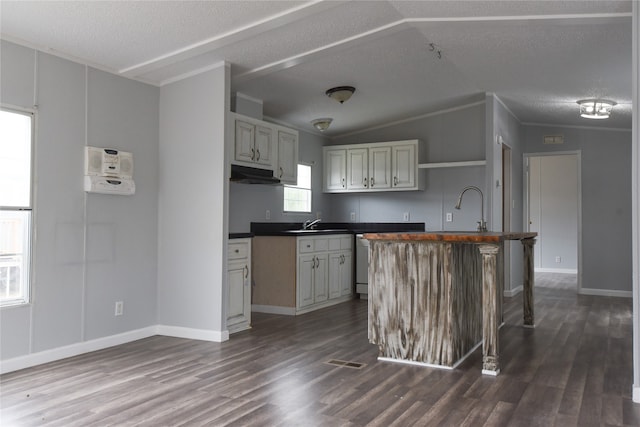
[[90, 250], [193, 199]]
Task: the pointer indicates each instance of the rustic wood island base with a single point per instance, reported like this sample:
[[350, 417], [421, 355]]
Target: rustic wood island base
[[434, 297]]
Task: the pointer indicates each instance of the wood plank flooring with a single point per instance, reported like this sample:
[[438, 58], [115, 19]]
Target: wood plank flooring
[[573, 369]]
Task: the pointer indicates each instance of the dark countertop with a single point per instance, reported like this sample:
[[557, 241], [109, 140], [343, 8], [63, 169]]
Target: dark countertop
[[240, 235], [294, 229], [452, 236]]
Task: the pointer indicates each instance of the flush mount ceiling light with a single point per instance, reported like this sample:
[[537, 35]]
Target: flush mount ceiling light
[[322, 124], [341, 93], [595, 108]]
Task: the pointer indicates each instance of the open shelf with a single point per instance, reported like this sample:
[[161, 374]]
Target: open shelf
[[452, 164]]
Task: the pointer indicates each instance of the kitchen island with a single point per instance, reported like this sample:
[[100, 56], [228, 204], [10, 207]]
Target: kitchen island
[[434, 297]]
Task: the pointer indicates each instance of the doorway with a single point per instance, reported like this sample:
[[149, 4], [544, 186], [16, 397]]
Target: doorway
[[552, 199]]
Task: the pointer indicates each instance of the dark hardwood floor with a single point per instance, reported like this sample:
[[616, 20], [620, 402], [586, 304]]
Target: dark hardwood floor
[[573, 369]]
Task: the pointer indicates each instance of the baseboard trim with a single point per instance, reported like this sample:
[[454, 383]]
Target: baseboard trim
[[556, 270], [605, 293], [273, 309], [192, 333], [46, 356], [512, 292], [636, 394]]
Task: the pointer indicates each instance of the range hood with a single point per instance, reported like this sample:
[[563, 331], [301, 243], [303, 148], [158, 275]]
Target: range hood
[[249, 175]]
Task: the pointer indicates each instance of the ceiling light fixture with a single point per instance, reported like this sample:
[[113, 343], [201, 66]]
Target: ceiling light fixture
[[341, 93], [595, 108], [322, 124]]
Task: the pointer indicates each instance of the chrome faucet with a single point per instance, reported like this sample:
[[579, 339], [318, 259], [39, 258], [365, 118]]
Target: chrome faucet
[[482, 224], [310, 225]]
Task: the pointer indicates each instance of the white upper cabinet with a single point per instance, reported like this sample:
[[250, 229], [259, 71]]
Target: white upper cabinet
[[357, 169], [404, 166], [253, 144], [381, 166], [287, 157], [335, 170], [265, 145]]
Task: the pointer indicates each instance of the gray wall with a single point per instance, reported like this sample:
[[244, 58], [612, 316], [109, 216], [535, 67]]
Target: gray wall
[[248, 203], [193, 203], [90, 249], [504, 128], [453, 135], [606, 205]]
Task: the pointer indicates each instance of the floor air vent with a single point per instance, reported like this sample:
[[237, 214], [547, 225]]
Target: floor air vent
[[345, 364]]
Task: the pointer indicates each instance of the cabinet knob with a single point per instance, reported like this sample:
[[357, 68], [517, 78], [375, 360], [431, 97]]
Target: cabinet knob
[[342, 182], [253, 154], [395, 180], [372, 182], [281, 172], [257, 155], [237, 251], [365, 182], [246, 271]]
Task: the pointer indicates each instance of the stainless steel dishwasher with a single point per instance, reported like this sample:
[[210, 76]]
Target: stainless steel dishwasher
[[362, 266]]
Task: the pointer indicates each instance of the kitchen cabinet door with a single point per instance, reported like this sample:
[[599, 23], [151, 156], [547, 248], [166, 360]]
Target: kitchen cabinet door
[[287, 158], [239, 297], [379, 167], [357, 169], [306, 273], [335, 274], [321, 279], [264, 146], [335, 170], [346, 274], [244, 141], [404, 166]]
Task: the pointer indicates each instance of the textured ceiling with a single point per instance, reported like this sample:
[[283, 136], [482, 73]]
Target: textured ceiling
[[538, 57]]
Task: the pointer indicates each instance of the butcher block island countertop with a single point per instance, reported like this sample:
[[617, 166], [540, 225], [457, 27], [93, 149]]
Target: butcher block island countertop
[[434, 297]]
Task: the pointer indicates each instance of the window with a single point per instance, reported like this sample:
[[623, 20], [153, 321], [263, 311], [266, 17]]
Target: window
[[297, 198], [16, 144]]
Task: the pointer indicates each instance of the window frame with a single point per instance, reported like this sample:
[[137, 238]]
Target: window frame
[[310, 189], [27, 293]]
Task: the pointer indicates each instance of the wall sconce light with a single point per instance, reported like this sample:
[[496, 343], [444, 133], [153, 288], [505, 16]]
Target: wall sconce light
[[595, 108], [322, 124], [341, 93]]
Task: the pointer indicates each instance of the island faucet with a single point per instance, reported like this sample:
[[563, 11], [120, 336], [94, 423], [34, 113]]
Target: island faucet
[[482, 224], [310, 225]]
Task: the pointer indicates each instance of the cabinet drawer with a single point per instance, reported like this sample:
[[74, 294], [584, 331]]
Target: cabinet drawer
[[341, 243], [238, 250], [305, 246], [312, 245]]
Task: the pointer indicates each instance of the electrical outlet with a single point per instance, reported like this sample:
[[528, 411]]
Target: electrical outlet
[[353, 216], [405, 216], [119, 308], [558, 259], [449, 217], [267, 214]]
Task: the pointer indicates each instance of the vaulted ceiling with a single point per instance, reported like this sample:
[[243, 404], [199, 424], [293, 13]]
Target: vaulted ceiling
[[405, 58]]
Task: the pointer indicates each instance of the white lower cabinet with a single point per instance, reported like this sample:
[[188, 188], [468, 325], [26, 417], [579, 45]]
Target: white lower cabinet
[[239, 285], [324, 271]]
